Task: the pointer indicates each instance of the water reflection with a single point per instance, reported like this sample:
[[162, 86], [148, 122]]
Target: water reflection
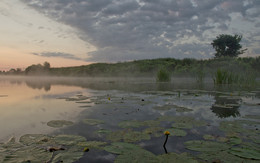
[[39, 85], [226, 106]]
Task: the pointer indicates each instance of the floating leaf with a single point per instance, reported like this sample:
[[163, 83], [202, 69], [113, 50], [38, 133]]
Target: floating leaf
[[136, 124], [68, 156], [222, 156], [127, 136], [69, 140], [176, 132], [134, 136], [208, 137], [154, 131], [30, 139], [234, 140], [92, 121], [182, 125], [245, 152], [130, 153], [184, 120], [121, 148], [176, 158], [93, 144], [59, 123], [205, 146]]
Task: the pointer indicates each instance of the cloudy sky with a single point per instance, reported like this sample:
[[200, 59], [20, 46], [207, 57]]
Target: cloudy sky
[[77, 32]]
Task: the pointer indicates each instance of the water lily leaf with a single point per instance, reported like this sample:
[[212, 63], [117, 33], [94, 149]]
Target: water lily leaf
[[154, 131], [176, 158], [182, 125], [103, 131], [93, 144], [127, 136], [130, 153], [139, 155], [136, 124], [68, 140], [68, 156], [209, 137], [134, 136], [183, 120], [130, 124], [59, 123], [38, 139], [121, 148], [222, 156], [245, 152], [176, 132], [205, 146], [92, 121], [234, 140]]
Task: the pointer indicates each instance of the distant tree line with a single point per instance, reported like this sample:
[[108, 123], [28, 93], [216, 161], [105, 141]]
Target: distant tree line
[[38, 69]]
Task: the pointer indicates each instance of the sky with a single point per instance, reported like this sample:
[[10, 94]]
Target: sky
[[79, 32]]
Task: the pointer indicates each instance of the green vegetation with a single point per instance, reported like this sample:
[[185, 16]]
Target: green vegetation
[[228, 77], [163, 75], [227, 45], [161, 68]]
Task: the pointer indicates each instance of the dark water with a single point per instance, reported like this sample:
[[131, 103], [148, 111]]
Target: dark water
[[27, 104]]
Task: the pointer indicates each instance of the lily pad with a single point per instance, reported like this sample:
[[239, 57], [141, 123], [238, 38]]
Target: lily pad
[[222, 156], [176, 158], [130, 153], [37, 139], [136, 124], [92, 121], [69, 140], [183, 120], [176, 132], [245, 153], [209, 137], [121, 148], [182, 125], [154, 131], [59, 123], [93, 144], [205, 146], [127, 136]]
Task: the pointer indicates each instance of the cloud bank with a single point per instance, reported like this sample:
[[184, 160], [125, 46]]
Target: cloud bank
[[140, 29]]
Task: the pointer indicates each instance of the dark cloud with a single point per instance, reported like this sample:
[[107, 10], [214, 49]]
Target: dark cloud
[[57, 54], [138, 29]]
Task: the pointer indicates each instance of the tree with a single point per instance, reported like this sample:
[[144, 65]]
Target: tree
[[228, 45]]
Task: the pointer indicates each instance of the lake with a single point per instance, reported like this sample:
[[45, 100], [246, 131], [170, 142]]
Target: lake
[[54, 119]]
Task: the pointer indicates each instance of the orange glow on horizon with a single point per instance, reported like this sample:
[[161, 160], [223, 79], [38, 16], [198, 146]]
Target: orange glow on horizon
[[11, 58]]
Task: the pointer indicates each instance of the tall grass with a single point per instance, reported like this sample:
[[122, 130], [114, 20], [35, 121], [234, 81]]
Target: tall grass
[[226, 77], [163, 75]]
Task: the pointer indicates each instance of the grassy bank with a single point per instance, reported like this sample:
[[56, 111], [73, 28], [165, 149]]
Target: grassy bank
[[176, 67], [150, 68]]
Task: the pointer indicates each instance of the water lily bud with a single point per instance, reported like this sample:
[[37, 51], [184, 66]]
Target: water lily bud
[[86, 149], [166, 133]]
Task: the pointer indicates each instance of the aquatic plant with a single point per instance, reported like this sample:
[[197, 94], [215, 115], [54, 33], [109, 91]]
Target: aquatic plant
[[59, 123], [163, 75], [222, 76], [166, 133]]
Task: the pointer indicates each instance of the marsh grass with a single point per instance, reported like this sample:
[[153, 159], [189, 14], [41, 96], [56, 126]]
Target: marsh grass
[[226, 77], [200, 75], [163, 75]]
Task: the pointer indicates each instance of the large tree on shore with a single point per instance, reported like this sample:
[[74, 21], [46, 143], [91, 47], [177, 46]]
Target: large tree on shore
[[228, 45]]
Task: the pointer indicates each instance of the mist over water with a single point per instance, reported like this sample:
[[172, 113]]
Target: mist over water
[[27, 104]]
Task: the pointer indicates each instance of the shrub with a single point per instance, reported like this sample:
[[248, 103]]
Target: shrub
[[163, 75]]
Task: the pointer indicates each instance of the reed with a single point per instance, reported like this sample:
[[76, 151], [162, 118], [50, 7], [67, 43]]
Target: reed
[[163, 75]]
